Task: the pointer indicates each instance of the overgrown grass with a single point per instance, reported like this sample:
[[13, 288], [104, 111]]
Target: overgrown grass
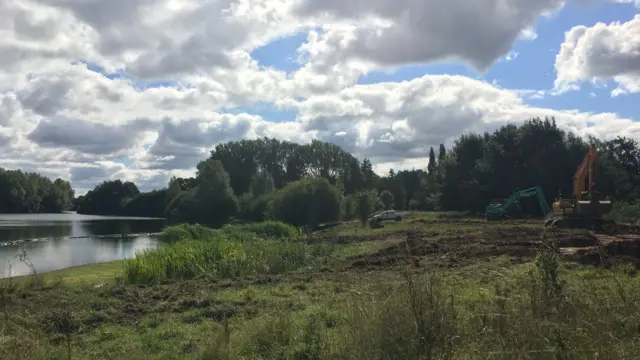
[[428, 318], [240, 232], [267, 230], [176, 233], [219, 256], [543, 309]]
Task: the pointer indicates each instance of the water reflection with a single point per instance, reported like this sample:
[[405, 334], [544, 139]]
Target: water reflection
[[71, 240]]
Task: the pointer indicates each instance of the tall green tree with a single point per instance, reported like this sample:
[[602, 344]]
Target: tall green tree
[[387, 199], [108, 198], [367, 173], [211, 202], [365, 204], [22, 192], [431, 167], [307, 202], [441, 153], [261, 183]]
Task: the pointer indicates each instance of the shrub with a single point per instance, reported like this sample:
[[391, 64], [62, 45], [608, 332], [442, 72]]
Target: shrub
[[307, 202], [365, 204], [273, 229], [180, 232]]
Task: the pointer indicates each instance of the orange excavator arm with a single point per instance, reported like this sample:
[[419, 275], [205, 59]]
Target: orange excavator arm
[[585, 171]]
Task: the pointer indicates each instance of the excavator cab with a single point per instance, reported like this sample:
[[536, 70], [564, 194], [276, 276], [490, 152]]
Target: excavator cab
[[587, 208], [512, 207]]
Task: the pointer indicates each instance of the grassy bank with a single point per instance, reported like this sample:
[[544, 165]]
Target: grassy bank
[[426, 288]]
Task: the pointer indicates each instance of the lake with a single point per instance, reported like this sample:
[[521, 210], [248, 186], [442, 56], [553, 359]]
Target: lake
[[58, 241]]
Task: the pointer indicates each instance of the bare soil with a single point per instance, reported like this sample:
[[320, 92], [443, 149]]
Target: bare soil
[[521, 243]]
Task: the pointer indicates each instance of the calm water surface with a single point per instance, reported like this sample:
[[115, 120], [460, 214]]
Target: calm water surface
[[58, 241]]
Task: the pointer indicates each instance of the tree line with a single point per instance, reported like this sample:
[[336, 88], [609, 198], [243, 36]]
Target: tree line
[[24, 192], [250, 180]]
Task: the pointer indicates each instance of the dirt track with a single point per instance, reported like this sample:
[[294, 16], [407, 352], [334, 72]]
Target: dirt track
[[424, 248]]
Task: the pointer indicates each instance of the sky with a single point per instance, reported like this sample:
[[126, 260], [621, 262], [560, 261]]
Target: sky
[[141, 90]]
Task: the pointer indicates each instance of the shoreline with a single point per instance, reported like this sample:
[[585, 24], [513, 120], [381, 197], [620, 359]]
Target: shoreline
[[100, 272]]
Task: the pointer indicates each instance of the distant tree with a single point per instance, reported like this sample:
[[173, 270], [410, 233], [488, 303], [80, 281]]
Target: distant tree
[[286, 162], [365, 204], [261, 183], [22, 192], [431, 167], [387, 199], [211, 202], [349, 207], [307, 202], [251, 208], [108, 198], [367, 173], [442, 153], [147, 204]]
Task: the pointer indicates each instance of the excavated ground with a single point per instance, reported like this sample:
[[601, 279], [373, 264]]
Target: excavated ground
[[520, 241]]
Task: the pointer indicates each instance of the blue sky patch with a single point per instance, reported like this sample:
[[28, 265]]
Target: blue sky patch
[[139, 85], [280, 54]]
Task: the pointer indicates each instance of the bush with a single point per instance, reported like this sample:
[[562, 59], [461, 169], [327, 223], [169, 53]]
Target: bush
[[307, 202], [264, 230], [180, 232], [251, 208], [348, 208], [273, 229], [365, 203]]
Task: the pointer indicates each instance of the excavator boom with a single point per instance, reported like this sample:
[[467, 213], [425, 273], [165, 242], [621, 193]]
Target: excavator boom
[[585, 172], [580, 212]]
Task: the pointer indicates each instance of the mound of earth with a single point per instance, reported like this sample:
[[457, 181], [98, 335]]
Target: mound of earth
[[610, 251], [621, 229]]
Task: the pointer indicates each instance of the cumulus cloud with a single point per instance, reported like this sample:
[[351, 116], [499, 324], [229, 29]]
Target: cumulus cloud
[[182, 144], [600, 53], [87, 137], [413, 31], [391, 122], [75, 100]]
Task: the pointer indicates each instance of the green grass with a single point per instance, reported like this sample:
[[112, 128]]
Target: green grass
[[244, 297], [218, 255], [268, 230], [79, 275], [190, 258]]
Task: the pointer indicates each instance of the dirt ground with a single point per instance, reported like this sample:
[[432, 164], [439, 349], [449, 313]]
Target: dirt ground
[[519, 240]]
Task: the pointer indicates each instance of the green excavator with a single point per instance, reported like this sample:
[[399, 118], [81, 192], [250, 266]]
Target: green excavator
[[587, 209], [511, 207]]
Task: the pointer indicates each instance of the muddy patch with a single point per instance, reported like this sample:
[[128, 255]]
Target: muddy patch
[[620, 229], [351, 239], [575, 238], [520, 243], [406, 251]]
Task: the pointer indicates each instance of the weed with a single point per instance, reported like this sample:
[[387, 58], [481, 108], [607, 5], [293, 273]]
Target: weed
[[62, 320], [547, 264]]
